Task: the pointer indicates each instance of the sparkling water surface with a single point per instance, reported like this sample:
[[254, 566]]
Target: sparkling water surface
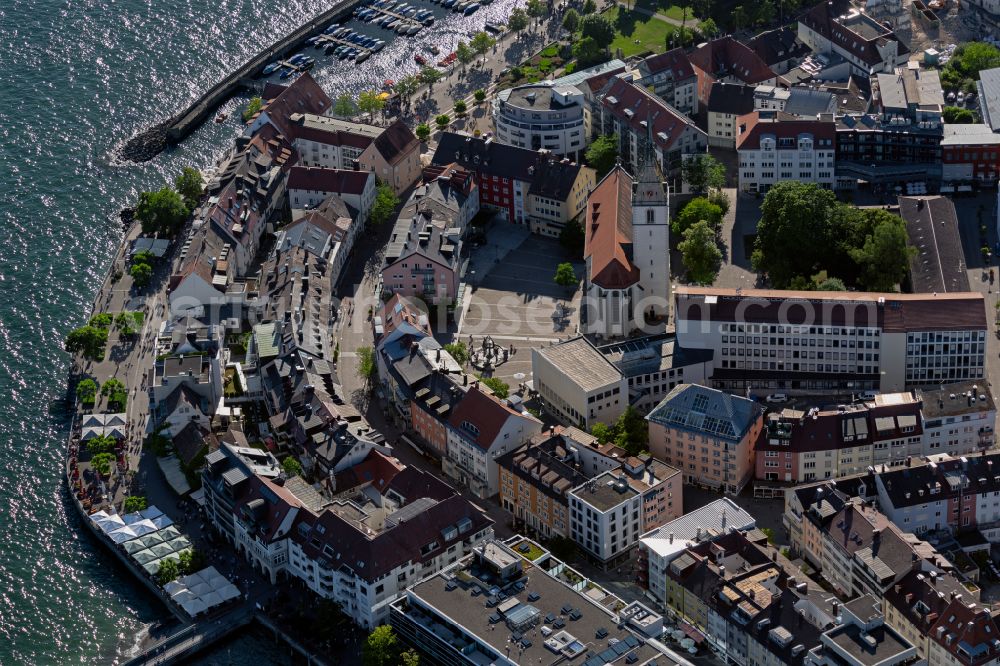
[[77, 78]]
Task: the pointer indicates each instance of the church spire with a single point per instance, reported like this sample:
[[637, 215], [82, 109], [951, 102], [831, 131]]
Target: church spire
[[649, 189]]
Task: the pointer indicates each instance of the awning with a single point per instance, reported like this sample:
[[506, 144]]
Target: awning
[[691, 632]]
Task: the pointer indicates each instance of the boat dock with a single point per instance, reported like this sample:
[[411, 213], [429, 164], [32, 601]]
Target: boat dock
[[243, 77], [336, 41], [146, 145]]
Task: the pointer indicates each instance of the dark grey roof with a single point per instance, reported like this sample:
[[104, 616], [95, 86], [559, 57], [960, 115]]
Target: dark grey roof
[[932, 228], [989, 97], [554, 179], [733, 98], [704, 410], [937, 403], [485, 155]]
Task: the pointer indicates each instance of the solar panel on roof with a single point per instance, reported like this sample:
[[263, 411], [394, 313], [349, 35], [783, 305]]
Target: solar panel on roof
[[631, 641], [608, 656], [620, 648]]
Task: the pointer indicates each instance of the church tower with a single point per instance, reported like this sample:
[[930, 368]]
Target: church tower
[[651, 230]]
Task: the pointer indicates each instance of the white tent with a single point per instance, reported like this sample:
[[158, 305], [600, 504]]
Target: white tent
[[110, 523], [151, 512], [133, 517], [99, 515], [161, 521], [230, 591], [143, 527], [194, 607], [122, 534], [173, 587], [211, 599]]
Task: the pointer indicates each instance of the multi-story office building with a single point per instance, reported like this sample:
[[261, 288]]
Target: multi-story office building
[[833, 341], [771, 151], [541, 115], [970, 153], [708, 434], [611, 510]]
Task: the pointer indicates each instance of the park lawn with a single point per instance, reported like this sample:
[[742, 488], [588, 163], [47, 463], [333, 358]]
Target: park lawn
[[651, 33], [664, 7]]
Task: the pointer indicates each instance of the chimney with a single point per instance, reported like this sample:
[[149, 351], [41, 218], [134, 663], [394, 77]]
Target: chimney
[[439, 354], [671, 537], [465, 380], [697, 534], [835, 606]]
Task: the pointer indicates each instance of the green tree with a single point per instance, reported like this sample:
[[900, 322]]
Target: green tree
[[367, 369], [884, 258], [795, 231], [88, 341], [822, 281], [971, 58], [499, 387], [516, 73], [708, 28], [738, 17], [384, 205], [598, 27], [720, 199], [464, 53], [954, 115], [142, 274], [694, 211], [86, 391], [442, 121], [589, 7], [381, 648], [518, 20], [571, 21], [700, 253], [703, 172], [189, 185], [102, 320], [407, 86], [253, 108], [460, 107], [128, 322], [536, 9], [481, 42], [458, 351], [101, 463], [409, 658], [134, 503], [429, 76], [632, 431], [602, 153], [572, 237], [588, 51], [480, 96], [168, 571], [116, 393], [161, 212], [764, 12], [423, 131], [101, 444], [291, 466], [344, 106], [565, 275], [370, 102], [602, 432]]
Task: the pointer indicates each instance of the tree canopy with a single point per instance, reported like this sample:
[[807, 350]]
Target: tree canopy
[[696, 210], [588, 51], [571, 20], [168, 571], [116, 393], [134, 503], [384, 205], [703, 172], [161, 212], [381, 648], [367, 369], [601, 154], [430, 76], [291, 466], [700, 253], [407, 86], [458, 351], [589, 7], [86, 391], [500, 388], [955, 115], [189, 185], [442, 120], [101, 463], [565, 275], [87, 340], [423, 131], [141, 274], [804, 230], [482, 42], [517, 20], [629, 431], [370, 102], [344, 106], [253, 106]]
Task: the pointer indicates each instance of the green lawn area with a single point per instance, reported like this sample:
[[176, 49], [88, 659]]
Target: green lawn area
[[662, 7], [650, 33], [533, 552]]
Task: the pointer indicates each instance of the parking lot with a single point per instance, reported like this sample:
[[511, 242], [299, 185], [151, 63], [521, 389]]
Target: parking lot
[[515, 301]]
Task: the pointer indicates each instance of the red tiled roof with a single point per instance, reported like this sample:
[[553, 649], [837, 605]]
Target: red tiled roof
[[675, 60], [328, 180], [727, 57], [376, 469], [633, 105], [970, 627], [609, 230], [485, 412], [787, 129], [303, 96]]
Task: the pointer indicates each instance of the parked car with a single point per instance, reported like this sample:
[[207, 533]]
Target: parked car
[[868, 395], [776, 398]]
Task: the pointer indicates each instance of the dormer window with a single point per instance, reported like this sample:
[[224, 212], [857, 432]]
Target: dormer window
[[470, 427]]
